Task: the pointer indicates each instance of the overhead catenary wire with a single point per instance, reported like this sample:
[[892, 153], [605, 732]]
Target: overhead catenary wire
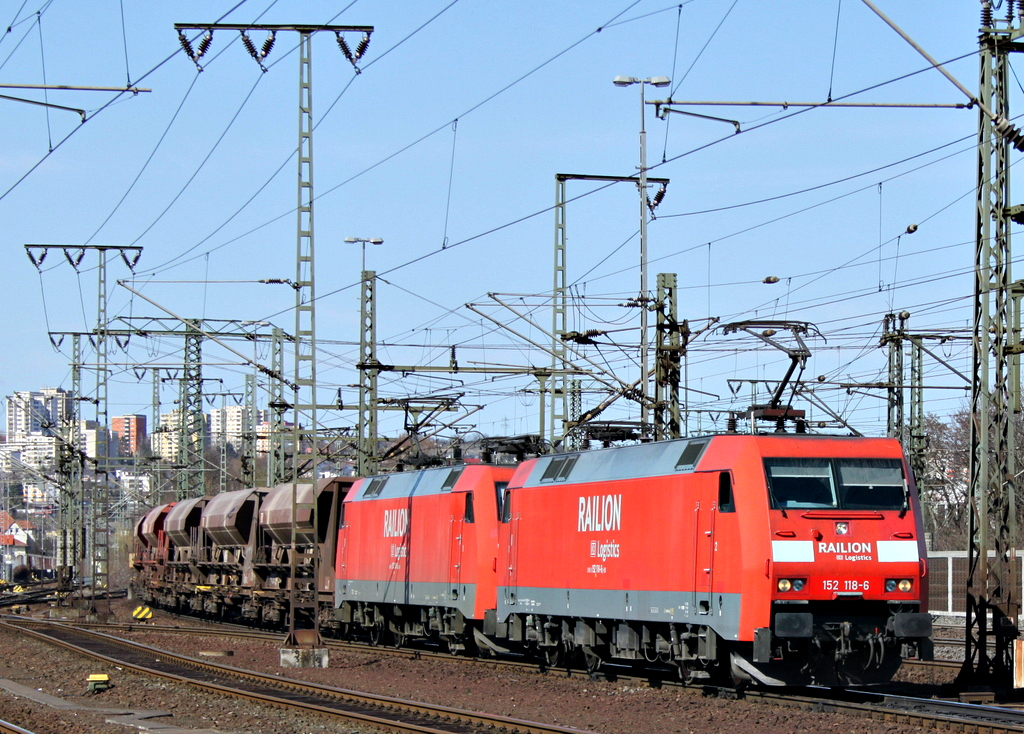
[[709, 282]]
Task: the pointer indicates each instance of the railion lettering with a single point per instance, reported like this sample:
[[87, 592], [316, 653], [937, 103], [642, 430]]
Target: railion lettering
[[844, 548], [396, 523], [600, 513]]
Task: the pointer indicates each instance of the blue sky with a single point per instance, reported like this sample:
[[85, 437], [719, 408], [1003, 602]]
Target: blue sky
[[447, 146]]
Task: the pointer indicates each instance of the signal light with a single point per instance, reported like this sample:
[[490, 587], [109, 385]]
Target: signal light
[[785, 585], [902, 585]]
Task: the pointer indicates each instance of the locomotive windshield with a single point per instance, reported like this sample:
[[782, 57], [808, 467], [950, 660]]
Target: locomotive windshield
[[849, 484]]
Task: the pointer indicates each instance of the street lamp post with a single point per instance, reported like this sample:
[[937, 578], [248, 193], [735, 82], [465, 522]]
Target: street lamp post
[[364, 241], [656, 81]]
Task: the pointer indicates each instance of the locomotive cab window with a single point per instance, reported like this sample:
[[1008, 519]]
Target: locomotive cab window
[[800, 483], [849, 484], [872, 484], [506, 507], [725, 503], [499, 496]]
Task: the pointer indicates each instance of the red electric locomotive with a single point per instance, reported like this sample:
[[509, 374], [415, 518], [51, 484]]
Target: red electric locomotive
[[782, 559], [418, 554]]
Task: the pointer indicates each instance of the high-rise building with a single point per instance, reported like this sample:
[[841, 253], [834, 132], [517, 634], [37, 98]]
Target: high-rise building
[[41, 413], [35, 420], [94, 439], [230, 423], [166, 440], [129, 431]]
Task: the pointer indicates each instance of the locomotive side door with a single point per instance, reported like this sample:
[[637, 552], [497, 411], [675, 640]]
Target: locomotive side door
[[704, 513], [458, 519], [511, 522]]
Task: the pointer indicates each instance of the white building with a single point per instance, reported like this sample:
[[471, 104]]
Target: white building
[[165, 440], [41, 413], [95, 441], [230, 423], [39, 493], [37, 451]]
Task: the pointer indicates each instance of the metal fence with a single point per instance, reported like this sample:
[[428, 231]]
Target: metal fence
[[947, 573]]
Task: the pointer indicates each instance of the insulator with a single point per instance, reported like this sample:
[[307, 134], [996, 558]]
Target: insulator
[[247, 42], [659, 196], [1009, 11], [344, 48], [204, 45], [268, 45], [186, 46], [986, 14], [1011, 134], [363, 45]]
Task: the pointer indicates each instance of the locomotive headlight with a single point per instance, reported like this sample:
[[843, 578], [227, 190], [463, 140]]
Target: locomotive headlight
[[798, 584], [903, 585], [785, 585]]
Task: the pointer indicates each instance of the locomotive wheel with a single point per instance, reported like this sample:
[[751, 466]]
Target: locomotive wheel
[[591, 660], [376, 633], [397, 639], [553, 656]]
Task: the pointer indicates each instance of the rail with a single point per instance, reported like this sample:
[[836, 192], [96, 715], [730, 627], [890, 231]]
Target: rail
[[386, 712]]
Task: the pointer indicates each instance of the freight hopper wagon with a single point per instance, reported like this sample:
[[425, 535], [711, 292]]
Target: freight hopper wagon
[[418, 555], [781, 559], [230, 556]]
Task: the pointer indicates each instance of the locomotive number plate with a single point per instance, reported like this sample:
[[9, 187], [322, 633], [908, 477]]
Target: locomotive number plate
[[846, 585]]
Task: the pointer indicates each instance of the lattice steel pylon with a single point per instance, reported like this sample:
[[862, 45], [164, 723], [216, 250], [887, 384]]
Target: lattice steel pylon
[[894, 335], [559, 406], [992, 602], [368, 453], [303, 623], [69, 497], [96, 495], [277, 470], [192, 421], [668, 358]]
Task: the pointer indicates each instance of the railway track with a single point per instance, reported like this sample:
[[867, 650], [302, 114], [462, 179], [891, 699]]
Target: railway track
[[931, 713], [7, 727], [384, 712], [227, 630]]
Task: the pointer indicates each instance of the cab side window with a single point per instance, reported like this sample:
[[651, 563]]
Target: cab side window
[[725, 499], [469, 515], [506, 507], [499, 495]]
